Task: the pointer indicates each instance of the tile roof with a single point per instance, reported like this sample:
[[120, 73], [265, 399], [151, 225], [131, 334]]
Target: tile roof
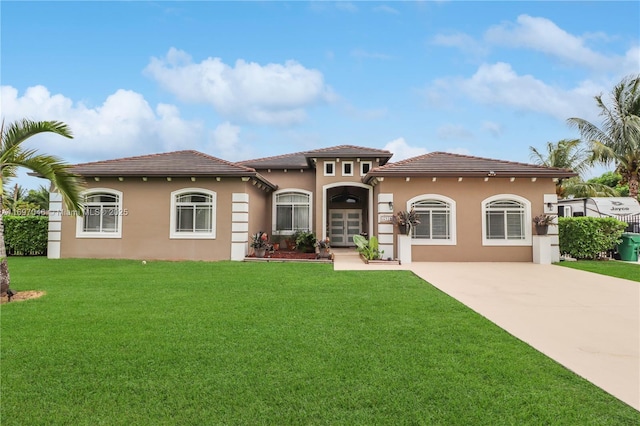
[[174, 164], [297, 160], [456, 165], [303, 159]]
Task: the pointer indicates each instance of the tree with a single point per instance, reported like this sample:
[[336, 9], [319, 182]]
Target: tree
[[39, 197], [618, 139], [569, 154], [13, 155]]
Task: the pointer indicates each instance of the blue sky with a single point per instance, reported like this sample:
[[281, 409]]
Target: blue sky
[[242, 80]]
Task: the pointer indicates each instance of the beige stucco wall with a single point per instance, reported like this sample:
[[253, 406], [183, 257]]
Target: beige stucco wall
[[469, 194], [146, 226]]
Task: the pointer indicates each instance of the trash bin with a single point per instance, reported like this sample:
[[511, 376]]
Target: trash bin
[[629, 246]]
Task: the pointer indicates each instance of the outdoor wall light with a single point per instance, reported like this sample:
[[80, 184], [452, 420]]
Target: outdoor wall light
[[390, 205], [491, 173]]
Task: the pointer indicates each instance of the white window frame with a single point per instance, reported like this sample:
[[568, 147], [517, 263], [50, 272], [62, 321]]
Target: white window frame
[[362, 163], [119, 212], [526, 240], [274, 209], [453, 236], [174, 234], [344, 165], [333, 166]]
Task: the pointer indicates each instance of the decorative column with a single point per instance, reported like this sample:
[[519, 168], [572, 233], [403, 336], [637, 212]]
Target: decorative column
[[239, 225], [55, 225], [385, 225]]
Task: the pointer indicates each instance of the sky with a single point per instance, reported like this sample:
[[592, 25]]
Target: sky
[[244, 80]]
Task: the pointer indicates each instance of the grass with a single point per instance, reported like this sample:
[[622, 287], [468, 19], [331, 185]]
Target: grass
[[194, 343], [613, 268]]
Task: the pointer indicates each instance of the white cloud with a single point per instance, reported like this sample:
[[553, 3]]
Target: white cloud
[[402, 150], [362, 54], [461, 41], [495, 129], [453, 132], [125, 124], [269, 94], [346, 6], [386, 9], [225, 143], [545, 36], [499, 85]]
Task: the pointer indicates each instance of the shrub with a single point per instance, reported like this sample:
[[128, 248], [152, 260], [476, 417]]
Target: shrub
[[589, 237], [305, 241], [26, 235], [368, 248]]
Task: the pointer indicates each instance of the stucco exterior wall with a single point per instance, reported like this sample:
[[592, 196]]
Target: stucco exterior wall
[[468, 195], [146, 224]]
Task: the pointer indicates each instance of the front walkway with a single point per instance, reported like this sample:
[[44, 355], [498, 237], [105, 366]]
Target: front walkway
[[587, 322]]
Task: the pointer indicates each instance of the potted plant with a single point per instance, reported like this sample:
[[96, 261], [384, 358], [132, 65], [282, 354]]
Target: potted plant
[[323, 248], [542, 223], [405, 220], [305, 241], [260, 243]]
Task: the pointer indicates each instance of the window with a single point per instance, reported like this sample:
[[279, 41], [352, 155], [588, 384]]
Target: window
[[292, 211], [506, 220], [329, 168], [102, 216], [365, 166], [347, 168], [193, 213], [437, 215]]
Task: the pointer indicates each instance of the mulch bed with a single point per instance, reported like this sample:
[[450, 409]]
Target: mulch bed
[[280, 254]]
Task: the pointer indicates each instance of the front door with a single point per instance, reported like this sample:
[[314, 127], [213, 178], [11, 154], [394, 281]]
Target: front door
[[343, 225]]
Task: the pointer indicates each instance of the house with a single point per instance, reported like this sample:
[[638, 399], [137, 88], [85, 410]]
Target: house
[[190, 205]]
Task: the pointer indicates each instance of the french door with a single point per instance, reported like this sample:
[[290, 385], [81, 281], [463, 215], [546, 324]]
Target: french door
[[343, 225]]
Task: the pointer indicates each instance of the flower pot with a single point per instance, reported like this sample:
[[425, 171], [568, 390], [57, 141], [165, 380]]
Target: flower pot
[[276, 246], [260, 252], [404, 229], [542, 229]]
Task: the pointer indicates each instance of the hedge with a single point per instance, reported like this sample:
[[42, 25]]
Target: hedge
[[26, 235], [589, 237]]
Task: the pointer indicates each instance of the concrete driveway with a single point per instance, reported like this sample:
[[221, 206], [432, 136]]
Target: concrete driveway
[[587, 322]]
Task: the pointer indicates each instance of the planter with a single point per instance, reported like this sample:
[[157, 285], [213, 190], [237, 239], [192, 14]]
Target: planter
[[542, 229], [260, 252], [404, 229], [291, 245], [324, 253], [276, 246]]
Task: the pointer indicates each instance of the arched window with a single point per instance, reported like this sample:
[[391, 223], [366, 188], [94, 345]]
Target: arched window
[[437, 216], [292, 211], [506, 220], [102, 214], [193, 213]]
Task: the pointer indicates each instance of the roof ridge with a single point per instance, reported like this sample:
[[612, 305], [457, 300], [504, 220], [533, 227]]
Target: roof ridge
[[272, 157], [519, 163], [165, 154], [157, 154], [347, 146], [475, 157]]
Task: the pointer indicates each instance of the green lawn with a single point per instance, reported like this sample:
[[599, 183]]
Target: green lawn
[[613, 268], [194, 343]]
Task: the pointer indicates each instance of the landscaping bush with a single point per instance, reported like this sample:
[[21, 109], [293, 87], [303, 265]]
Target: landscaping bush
[[589, 237], [26, 235]]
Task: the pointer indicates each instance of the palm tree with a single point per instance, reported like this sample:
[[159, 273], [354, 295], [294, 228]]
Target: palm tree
[[618, 140], [569, 154], [13, 156]]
